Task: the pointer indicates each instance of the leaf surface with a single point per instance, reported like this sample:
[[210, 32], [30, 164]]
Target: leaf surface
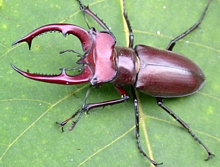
[[29, 109]]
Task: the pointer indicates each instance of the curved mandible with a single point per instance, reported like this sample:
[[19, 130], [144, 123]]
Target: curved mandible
[[62, 78], [83, 35]]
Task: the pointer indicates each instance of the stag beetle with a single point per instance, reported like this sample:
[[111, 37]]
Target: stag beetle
[[155, 72]]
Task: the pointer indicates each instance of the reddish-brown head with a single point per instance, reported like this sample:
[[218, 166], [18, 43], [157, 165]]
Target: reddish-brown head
[[98, 61]]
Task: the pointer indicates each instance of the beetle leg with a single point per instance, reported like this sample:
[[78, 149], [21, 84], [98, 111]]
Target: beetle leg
[[137, 127], [124, 97], [131, 36], [160, 103], [87, 107], [62, 124], [82, 8], [80, 111], [173, 42], [85, 9]]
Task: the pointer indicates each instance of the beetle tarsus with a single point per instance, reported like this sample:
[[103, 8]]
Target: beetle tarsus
[[178, 119], [81, 6], [210, 155], [72, 126], [131, 36], [62, 124], [85, 9], [155, 163], [191, 29], [136, 111]]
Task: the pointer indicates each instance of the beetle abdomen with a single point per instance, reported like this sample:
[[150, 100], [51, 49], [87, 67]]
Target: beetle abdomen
[[167, 74]]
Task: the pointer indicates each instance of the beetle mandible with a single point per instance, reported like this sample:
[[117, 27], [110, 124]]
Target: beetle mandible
[[155, 72]]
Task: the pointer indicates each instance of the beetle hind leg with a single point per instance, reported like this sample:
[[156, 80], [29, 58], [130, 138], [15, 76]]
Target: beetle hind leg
[[160, 104]]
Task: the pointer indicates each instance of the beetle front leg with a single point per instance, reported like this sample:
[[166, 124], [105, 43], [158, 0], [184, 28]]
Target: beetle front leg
[[160, 103], [131, 36], [62, 124], [88, 107], [191, 29], [80, 111], [85, 9], [120, 90]]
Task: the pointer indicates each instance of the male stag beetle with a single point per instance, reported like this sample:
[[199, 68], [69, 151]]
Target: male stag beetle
[[155, 72]]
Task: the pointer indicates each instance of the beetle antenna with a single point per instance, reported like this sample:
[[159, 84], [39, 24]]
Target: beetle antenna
[[70, 50], [70, 69]]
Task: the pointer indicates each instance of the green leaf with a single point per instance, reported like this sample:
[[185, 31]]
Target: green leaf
[[105, 137]]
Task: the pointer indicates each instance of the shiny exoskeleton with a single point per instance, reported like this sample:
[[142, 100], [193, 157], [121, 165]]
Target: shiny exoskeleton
[[155, 72]]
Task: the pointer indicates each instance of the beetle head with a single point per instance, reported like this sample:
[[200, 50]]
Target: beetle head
[[98, 60], [101, 57]]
